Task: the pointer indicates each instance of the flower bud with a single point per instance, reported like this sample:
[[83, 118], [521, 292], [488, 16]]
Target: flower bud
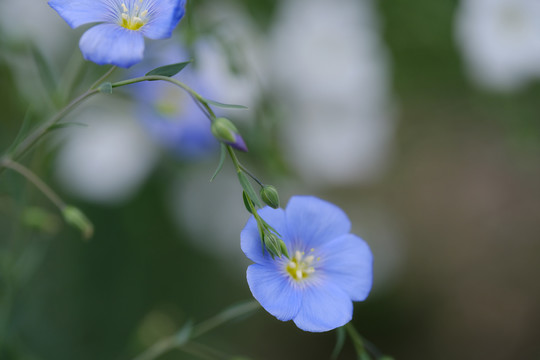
[[271, 242], [270, 196], [225, 131], [275, 246], [76, 218]]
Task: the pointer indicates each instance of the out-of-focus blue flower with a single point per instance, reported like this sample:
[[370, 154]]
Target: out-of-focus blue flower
[[168, 113], [327, 270], [119, 39]]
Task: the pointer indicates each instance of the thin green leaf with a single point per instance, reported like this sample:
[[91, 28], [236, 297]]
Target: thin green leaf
[[358, 342], [226, 106], [248, 188], [22, 132], [222, 157], [246, 202], [340, 341], [270, 228], [65, 125], [45, 72], [169, 70]]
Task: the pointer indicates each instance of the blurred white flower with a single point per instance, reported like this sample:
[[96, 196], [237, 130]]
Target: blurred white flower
[[330, 68], [232, 58], [24, 21], [500, 41], [107, 161], [32, 23]]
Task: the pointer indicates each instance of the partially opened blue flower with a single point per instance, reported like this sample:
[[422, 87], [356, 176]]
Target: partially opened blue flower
[[327, 270], [119, 39]]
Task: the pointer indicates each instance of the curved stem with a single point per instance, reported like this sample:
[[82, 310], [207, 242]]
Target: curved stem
[[34, 179], [186, 334], [180, 84]]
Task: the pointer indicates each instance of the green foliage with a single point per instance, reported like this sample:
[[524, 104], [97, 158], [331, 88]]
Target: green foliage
[[248, 188], [222, 156], [225, 106], [168, 70]]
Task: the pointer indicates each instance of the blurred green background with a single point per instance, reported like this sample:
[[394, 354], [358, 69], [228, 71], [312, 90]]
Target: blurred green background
[[435, 159]]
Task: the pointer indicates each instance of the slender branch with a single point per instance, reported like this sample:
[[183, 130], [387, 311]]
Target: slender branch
[[34, 179], [103, 78], [42, 130], [180, 339], [234, 159], [251, 175], [180, 84]]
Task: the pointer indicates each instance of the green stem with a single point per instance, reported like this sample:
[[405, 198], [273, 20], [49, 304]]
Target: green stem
[[251, 175], [34, 137], [177, 341], [103, 78], [234, 159], [180, 84], [34, 179]]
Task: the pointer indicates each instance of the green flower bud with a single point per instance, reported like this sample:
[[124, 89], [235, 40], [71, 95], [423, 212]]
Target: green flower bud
[[270, 196], [283, 248], [76, 218], [272, 244], [225, 131]]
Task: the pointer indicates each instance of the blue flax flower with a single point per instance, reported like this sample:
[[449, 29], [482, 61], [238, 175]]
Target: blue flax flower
[[119, 39], [327, 270]]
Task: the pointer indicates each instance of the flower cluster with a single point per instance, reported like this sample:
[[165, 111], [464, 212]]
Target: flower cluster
[[327, 269], [119, 39]]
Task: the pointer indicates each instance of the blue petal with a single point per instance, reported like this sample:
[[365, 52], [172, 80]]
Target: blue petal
[[347, 262], [112, 44], [312, 222], [273, 290], [163, 17], [79, 12], [324, 307], [250, 241]]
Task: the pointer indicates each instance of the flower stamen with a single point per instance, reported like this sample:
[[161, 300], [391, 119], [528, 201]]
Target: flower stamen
[[299, 267], [133, 20]]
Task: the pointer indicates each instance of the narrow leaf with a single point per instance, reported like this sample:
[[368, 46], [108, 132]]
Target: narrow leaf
[[45, 72], [22, 131], [248, 188], [169, 70], [246, 202], [225, 106], [221, 161]]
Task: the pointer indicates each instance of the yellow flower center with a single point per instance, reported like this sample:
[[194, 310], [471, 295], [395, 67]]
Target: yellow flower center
[[134, 19], [299, 267]]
